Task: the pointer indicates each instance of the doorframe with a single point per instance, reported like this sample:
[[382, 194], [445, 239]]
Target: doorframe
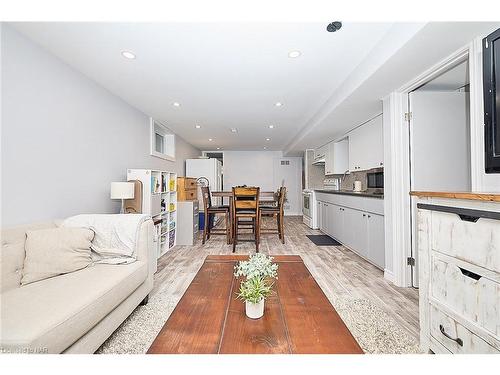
[[398, 203]]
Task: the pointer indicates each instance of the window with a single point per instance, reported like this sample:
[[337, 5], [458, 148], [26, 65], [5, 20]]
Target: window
[[162, 141]]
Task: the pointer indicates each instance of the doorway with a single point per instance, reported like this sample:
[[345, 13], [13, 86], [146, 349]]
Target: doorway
[[439, 140]]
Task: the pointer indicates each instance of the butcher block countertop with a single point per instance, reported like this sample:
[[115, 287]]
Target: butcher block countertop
[[489, 197]]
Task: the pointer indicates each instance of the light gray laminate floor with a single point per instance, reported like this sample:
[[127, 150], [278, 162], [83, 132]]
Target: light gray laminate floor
[[382, 317]]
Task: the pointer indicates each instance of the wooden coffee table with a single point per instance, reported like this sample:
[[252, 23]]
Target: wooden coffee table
[[297, 319]]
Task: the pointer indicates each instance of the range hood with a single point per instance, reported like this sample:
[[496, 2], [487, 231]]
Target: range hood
[[319, 161]]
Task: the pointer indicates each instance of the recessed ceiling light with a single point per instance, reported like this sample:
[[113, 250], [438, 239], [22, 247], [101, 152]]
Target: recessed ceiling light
[[198, 126], [176, 104], [265, 148], [234, 130], [271, 126], [268, 139], [278, 104], [128, 55], [218, 148], [294, 54], [210, 139]]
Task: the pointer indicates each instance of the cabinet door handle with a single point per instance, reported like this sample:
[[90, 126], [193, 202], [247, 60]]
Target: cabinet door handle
[[364, 215], [470, 274], [458, 340]]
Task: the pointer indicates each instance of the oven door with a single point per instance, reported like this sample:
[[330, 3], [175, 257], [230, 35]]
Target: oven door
[[306, 204]]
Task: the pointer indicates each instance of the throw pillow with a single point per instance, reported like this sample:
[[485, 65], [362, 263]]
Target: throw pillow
[[55, 251]]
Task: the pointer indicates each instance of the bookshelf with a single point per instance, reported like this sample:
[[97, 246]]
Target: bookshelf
[[160, 201]]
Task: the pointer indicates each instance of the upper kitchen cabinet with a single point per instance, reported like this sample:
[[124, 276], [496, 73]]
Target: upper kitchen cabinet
[[320, 153], [337, 157], [366, 146]]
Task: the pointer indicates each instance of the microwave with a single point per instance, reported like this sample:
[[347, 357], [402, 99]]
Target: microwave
[[375, 180]]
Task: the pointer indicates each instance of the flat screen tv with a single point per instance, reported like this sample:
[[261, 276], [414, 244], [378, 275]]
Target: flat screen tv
[[491, 87]]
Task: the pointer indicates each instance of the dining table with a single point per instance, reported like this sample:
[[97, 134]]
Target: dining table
[[265, 198]]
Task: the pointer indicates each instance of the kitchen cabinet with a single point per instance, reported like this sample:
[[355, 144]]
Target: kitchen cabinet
[[327, 218], [376, 240], [336, 224], [321, 220], [366, 146], [337, 157], [329, 159], [361, 231], [320, 153], [356, 236]]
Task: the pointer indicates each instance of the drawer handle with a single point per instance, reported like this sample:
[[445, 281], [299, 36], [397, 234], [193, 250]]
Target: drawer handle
[[469, 218], [457, 340], [470, 274]]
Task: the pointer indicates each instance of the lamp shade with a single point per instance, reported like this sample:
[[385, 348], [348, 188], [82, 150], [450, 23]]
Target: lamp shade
[[122, 190]]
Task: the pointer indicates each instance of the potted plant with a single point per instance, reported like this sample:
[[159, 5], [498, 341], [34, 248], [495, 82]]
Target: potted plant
[[259, 271]]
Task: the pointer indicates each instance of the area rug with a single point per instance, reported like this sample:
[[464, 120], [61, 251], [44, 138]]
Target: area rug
[[323, 240], [375, 331]]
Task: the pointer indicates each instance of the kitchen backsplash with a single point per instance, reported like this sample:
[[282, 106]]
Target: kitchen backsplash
[[348, 181]]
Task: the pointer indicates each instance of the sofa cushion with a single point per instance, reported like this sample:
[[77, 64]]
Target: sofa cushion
[[13, 254], [50, 315], [55, 251]]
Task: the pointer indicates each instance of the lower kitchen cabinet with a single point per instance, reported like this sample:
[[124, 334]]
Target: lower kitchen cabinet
[[376, 239], [361, 231]]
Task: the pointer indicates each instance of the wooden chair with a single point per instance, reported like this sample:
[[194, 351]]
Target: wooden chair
[[278, 212], [246, 206], [210, 210]]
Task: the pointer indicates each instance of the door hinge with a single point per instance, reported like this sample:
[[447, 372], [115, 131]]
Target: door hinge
[[410, 261], [408, 116]]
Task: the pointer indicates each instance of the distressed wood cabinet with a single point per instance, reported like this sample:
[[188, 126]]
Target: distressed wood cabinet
[[459, 269]]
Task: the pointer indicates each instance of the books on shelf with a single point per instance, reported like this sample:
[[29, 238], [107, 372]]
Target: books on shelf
[[172, 184], [164, 178], [155, 184], [159, 200]]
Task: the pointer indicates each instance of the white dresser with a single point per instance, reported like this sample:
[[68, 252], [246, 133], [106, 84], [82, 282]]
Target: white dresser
[[187, 222], [459, 269]]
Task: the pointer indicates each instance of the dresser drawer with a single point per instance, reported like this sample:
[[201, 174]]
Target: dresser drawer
[[455, 337], [186, 183], [469, 293], [187, 195], [477, 243]]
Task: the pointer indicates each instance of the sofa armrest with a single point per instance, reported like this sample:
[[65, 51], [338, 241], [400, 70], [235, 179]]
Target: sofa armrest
[[146, 247]]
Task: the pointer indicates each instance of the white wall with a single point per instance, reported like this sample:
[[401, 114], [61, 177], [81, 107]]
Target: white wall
[[252, 168], [259, 168], [65, 138]]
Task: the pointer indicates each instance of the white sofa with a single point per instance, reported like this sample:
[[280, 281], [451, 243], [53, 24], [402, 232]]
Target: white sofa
[[74, 312]]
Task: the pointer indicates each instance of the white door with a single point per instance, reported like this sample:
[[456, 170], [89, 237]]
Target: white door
[[288, 172], [439, 148]]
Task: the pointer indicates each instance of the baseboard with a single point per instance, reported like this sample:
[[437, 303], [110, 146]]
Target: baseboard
[[388, 275]]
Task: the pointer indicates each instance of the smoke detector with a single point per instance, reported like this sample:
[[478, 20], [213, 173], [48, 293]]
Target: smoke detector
[[334, 26]]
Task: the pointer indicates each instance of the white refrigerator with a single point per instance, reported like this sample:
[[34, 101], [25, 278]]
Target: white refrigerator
[[211, 169]]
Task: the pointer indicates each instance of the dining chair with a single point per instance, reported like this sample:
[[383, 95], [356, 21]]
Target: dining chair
[[245, 205], [211, 210], [277, 211]]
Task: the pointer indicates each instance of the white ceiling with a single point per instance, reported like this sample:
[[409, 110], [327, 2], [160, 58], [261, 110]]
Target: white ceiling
[[406, 51], [231, 74], [223, 75]]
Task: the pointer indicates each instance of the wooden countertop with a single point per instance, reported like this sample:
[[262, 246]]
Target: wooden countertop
[[490, 197]]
